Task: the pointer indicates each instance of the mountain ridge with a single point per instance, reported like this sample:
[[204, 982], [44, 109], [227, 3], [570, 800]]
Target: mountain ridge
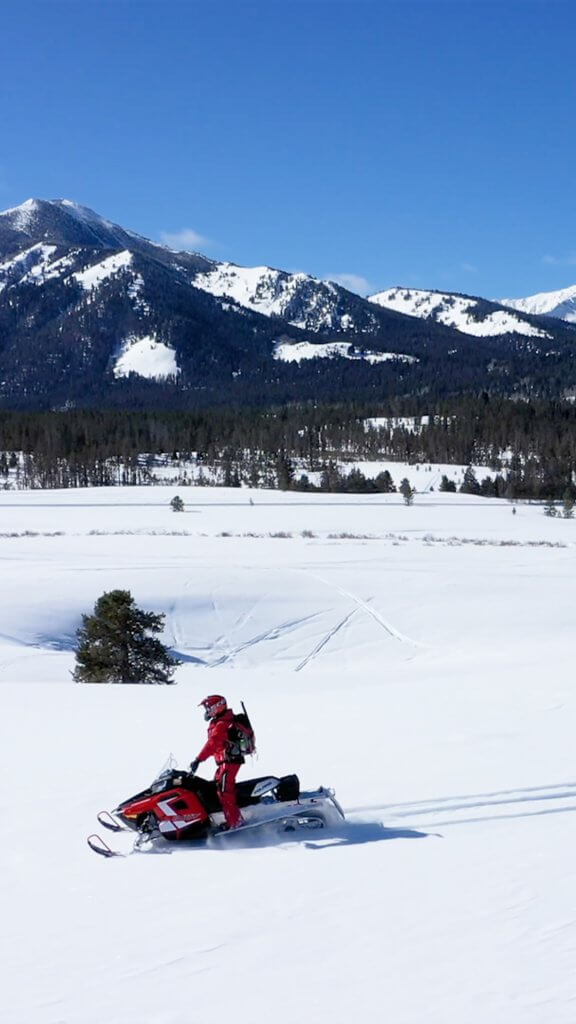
[[91, 312]]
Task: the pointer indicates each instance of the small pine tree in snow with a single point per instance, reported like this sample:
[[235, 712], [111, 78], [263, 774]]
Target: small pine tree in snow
[[568, 506], [384, 483], [117, 644], [550, 508], [407, 491], [470, 483], [177, 505], [447, 485]]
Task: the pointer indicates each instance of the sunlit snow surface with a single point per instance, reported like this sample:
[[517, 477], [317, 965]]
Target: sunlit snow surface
[[93, 276], [455, 311], [295, 352], [561, 304], [418, 659], [277, 293], [146, 357]]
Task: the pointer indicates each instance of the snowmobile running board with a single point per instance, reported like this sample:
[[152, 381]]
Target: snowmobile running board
[[287, 822]]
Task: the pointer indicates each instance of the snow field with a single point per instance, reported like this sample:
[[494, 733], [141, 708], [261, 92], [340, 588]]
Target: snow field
[[429, 682]]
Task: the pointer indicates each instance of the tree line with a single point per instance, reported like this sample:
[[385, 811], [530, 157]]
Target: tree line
[[529, 446]]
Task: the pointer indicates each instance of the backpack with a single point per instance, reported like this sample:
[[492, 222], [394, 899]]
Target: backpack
[[241, 738]]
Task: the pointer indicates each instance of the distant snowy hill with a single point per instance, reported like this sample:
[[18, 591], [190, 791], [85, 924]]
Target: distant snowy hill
[[561, 304], [467, 314]]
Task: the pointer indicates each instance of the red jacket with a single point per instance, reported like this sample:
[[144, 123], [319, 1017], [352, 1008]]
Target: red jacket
[[216, 745]]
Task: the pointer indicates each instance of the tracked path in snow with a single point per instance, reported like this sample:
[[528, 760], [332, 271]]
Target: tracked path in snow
[[445, 812], [274, 633], [299, 644], [365, 606], [325, 639]]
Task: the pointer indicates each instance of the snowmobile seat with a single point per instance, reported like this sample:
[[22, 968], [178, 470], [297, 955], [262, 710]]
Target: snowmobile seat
[[244, 790], [288, 788]]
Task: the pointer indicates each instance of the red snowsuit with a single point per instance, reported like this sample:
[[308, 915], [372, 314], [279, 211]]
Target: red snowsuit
[[216, 746]]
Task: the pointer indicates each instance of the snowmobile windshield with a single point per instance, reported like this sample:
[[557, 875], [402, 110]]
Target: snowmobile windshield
[[169, 766]]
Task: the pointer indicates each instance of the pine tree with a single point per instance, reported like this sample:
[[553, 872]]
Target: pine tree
[[384, 482], [284, 472], [470, 483], [447, 485], [177, 505], [407, 491], [115, 645]]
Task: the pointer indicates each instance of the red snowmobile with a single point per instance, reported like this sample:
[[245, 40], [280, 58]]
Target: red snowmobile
[[179, 806]]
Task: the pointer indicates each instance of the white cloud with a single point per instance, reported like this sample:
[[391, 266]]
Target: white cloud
[[187, 238], [560, 261], [353, 282]]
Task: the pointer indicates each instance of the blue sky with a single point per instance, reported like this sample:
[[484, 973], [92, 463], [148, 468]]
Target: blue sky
[[427, 143]]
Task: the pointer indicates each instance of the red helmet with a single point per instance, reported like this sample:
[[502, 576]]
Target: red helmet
[[214, 706]]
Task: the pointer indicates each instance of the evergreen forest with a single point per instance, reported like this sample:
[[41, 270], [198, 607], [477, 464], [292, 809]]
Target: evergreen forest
[[530, 446]]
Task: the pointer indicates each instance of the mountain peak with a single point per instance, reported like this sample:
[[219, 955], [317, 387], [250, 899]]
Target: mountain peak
[[65, 223], [561, 304], [60, 221], [21, 216]]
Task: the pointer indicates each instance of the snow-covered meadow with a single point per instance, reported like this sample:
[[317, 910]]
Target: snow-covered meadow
[[418, 659]]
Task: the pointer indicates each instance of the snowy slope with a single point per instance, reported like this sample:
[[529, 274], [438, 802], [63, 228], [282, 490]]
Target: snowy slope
[[41, 263], [561, 304], [259, 288], [148, 357], [459, 311], [302, 300], [424, 674], [295, 352], [93, 276]]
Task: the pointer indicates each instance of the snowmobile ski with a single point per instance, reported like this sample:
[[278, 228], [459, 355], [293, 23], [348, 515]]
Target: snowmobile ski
[[96, 843], [108, 821]]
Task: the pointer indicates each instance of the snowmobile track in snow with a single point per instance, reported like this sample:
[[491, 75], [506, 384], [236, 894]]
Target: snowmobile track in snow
[[365, 606], [269, 634], [449, 809], [325, 639]]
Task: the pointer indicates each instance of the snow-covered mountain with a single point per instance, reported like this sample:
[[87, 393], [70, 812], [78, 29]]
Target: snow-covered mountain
[[302, 300], [62, 222], [470, 315], [88, 308], [90, 311], [560, 304]]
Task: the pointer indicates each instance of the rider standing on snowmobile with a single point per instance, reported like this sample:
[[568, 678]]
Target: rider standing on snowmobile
[[221, 747]]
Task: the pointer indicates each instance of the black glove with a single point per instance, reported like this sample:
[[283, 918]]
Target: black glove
[[194, 766]]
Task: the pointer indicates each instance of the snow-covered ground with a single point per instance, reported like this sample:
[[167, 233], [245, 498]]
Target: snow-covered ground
[[418, 659], [183, 472]]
